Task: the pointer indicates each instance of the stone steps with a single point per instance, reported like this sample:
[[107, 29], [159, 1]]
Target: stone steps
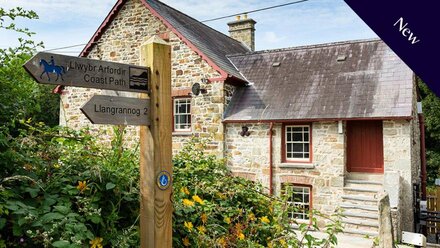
[[359, 199], [361, 222], [362, 215], [361, 232], [360, 205]]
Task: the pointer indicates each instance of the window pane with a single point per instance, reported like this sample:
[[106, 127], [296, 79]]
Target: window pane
[[289, 147], [298, 200], [298, 147], [297, 155], [182, 114], [297, 137], [297, 142]]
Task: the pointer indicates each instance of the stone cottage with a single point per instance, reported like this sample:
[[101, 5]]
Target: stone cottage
[[332, 124]]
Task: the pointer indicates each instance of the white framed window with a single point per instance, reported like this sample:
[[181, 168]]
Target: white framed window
[[299, 200], [182, 114], [297, 143]]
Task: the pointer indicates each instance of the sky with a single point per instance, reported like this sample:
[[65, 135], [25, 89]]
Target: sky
[[64, 23]]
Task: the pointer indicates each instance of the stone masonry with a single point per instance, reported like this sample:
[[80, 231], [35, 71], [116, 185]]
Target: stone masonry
[[243, 30], [249, 157], [120, 43]]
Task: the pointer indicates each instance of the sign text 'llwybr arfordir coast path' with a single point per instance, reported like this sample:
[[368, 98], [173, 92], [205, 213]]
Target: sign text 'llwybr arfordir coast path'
[[49, 68]]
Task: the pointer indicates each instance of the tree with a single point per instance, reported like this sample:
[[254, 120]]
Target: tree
[[431, 110], [21, 97]]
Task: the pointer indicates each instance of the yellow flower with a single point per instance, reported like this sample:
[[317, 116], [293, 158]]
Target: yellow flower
[[197, 199], [186, 241], [82, 186], [221, 195], [264, 219], [251, 216], [221, 241], [184, 190], [188, 225], [240, 236], [96, 243], [56, 166], [201, 229], [227, 220], [188, 203], [204, 218], [283, 242]]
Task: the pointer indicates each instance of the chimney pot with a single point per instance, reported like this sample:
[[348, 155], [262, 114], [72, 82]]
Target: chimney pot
[[238, 18]]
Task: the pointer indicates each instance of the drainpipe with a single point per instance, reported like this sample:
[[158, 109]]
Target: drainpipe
[[423, 155], [270, 159]]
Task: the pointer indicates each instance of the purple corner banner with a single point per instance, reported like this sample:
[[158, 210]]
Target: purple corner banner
[[410, 29]]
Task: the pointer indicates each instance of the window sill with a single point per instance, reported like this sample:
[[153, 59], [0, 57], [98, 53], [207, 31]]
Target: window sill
[[298, 165], [183, 133]]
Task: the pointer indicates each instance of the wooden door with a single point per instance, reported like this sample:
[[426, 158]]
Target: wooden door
[[364, 146]]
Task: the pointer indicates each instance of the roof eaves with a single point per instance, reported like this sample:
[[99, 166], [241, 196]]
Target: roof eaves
[[224, 75]]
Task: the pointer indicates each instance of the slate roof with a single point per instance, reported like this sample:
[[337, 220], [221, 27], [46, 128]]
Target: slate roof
[[212, 45], [310, 83]]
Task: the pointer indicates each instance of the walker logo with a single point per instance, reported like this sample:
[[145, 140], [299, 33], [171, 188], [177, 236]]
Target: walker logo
[[409, 28]]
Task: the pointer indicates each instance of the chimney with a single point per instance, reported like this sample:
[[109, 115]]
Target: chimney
[[243, 29]]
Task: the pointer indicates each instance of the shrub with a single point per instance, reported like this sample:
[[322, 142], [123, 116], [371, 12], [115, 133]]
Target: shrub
[[215, 209], [61, 188]]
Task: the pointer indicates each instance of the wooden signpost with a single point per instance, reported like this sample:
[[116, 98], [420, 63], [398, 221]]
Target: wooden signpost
[[50, 68], [153, 115], [115, 110], [156, 141]]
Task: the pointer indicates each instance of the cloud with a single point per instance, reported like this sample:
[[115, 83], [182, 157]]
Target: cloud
[[62, 10], [64, 22]]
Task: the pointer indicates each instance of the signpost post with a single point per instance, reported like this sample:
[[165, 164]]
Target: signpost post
[[155, 144], [153, 115]]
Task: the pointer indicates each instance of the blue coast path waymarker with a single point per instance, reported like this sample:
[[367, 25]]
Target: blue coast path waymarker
[[163, 180]]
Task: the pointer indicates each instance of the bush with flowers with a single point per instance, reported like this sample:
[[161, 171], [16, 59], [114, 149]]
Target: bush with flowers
[[61, 188], [215, 209]]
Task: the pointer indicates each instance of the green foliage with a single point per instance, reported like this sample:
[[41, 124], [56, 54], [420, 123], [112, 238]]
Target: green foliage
[[431, 110], [215, 209], [21, 97], [26, 45], [61, 189]]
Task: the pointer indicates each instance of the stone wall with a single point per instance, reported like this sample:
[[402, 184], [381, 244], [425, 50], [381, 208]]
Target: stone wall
[[120, 42], [398, 157], [249, 157]]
